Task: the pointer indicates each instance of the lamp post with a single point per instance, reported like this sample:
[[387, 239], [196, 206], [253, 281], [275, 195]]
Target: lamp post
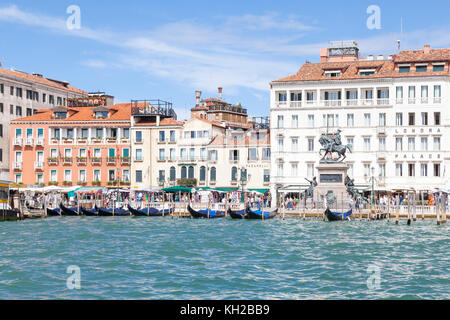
[[373, 185]]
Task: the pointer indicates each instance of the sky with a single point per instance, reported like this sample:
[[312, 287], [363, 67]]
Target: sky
[[169, 49]]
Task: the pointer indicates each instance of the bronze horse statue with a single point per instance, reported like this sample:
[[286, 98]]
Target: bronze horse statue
[[330, 146]]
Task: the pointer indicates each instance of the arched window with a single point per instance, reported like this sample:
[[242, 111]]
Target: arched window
[[234, 174], [191, 172], [173, 174], [202, 173], [213, 174], [183, 172]]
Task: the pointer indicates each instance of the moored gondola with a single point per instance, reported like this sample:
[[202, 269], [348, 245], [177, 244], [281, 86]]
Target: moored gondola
[[240, 214], [68, 211], [207, 214], [261, 215], [150, 212], [89, 212], [338, 216], [56, 212], [103, 212]]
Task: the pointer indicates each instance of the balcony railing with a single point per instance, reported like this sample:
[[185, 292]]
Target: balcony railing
[[96, 161], [111, 160], [38, 165], [17, 165], [18, 141], [81, 161], [28, 141], [67, 160], [52, 161], [67, 140], [40, 142], [125, 160]]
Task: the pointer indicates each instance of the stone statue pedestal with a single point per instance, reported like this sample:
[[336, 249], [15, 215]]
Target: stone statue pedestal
[[332, 177]]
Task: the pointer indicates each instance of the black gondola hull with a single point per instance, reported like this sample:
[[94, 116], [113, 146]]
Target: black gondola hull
[[53, 212], [103, 212], [241, 214], [205, 214], [261, 215], [68, 211]]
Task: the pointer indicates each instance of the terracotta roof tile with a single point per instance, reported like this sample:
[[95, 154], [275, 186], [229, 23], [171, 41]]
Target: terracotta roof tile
[[41, 80]]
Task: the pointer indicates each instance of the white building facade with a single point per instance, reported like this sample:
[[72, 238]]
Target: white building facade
[[394, 113]]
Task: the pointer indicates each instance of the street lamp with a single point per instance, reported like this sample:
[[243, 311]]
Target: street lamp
[[373, 185]]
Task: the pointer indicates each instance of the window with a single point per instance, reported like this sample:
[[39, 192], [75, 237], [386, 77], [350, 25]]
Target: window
[[11, 90], [252, 154], [191, 172], [162, 154], [68, 175], [44, 97], [399, 170], [294, 144], [59, 101], [412, 94], [399, 95], [382, 169], [295, 121], [366, 144], [280, 169], [294, 169], [350, 120], [172, 154], [51, 99], [411, 119], [350, 170], [266, 154], [266, 175], [18, 111], [172, 136], [398, 144], [138, 136], [53, 176], [296, 96], [399, 119], [382, 144], [212, 176], [126, 133], [437, 170], [19, 92], [424, 170], [11, 109], [162, 176], [138, 154], [311, 120], [437, 118], [367, 169], [1, 108], [421, 68], [2, 88], [192, 153], [411, 144], [202, 173], [172, 174], [438, 67], [310, 170], [310, 145], [366, 72], [192, 134], [424, 117], [437, 144], [282, 97], [280, 122], [203, 155], [367, 119], [138, 176], [18, 178], [1, 130], [382, 120], [183, 154], [183, 172], [280, 145], [437, 94], [424, 143], [1, 155], [350, 141], [234, 174], [82, 176], [424, 94], [97, 175], [234, 155], [411, 170], [162, 136], [404, 69], [212, 155], [332, 74]]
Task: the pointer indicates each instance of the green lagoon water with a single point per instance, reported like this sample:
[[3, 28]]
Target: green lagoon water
[[165, 258]]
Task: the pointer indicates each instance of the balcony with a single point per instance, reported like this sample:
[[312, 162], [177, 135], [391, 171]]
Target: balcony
[[296, 104], [67, 140], [18, 141], [332, 103], [111, 160], [125, 161], [125, 140], [111, 140], [82, 140], [38, 165], [383, 102], [281, 104], [52, 161], [40, 142], [17, 165], [381, 155], [138, 141], [67, 161], [28, 142], [81, 161], [97, 140], [437, 100], [96, 161]]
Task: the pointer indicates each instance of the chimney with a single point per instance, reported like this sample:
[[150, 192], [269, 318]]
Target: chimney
[[198, 94], [426, 49], [220, 93], [323, 55]]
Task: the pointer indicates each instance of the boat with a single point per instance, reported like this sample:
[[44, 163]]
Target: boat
[[118, 212], [208, 214], [261, 215], [89, 212], [56, 212], [240, 214], [151, 212], [338, 216], [68, 211]]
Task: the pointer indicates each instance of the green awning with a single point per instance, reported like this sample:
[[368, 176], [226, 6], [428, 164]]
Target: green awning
[[226, 189], [263, 191], [177, 189]]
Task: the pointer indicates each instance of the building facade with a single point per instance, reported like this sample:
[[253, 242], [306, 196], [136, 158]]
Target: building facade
[[22, 94], [64, 146], [216, 147], [392, 111]]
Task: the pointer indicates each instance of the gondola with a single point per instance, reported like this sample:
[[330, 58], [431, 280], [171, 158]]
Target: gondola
[[212, 214], [103, 212], [151, 212], [89, 212], [337, 216], [261, 215], [53, 212], [240, 214], [68, 211]]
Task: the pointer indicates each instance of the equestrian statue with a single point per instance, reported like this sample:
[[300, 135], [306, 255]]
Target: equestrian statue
[[333, 145]]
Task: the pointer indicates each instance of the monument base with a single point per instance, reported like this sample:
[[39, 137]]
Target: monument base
[[332, 178]]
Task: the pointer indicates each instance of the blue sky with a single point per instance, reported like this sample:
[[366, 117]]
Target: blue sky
[[168, 49]]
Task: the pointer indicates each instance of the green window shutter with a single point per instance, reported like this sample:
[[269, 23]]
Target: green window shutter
[[126, 153], [112, 153]]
